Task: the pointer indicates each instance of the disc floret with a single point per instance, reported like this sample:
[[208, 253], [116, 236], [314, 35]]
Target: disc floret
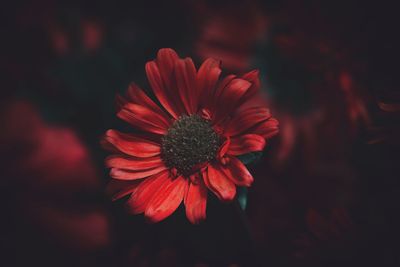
[[190, 141]]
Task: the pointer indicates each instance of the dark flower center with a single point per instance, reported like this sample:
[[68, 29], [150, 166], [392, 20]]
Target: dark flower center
[[189, 141]]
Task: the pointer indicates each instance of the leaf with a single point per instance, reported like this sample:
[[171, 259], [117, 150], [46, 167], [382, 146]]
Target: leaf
[[249, 158], [252, 157], [242, 197]]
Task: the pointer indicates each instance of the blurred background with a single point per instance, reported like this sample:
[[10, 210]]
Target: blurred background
[[326, 191]]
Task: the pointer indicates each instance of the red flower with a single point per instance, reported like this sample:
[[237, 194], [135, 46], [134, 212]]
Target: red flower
[[190, 143], [47, 167]]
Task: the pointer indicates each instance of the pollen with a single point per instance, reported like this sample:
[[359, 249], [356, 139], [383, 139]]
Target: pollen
[[190, 141]]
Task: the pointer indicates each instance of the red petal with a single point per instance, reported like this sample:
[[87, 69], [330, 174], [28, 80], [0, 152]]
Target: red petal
[[219, 184], [118, 189], [132, 145], [211, 103], [131, 163], [166, 59], [147, 189], [246, 119], [267, 128], [196, 202], [161, 77], [122, 174], [185, 74], [245, 144], [223, 148], [253, 77], [155, 80], [207, 78], [230, 99], [221, 88], [137, 95], [238, 173], [167, 199], [120, 102], [143, 118]]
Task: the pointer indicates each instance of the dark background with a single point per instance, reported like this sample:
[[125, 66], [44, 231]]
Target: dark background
[[326, 191]]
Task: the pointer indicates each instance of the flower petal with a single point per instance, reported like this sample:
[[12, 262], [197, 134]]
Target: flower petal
[[131, 144], [237, 172], [185, 74], [160, 74], [253, 78], [143, 118], [131, 163], [220, 88], [156, 83], [167, 199], [146, 190], [247, 143], [195, 202], [219, 184], [166, 58], [118, 189], [267, 128], [207, 78], [246, 119], [122, 174], [223, 148], [229, 98], [138, 96]]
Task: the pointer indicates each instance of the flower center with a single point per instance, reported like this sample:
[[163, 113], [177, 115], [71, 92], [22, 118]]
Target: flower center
[[189, 141]]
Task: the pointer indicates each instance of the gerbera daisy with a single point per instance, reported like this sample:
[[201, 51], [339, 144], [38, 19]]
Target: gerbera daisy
[[188, 144]]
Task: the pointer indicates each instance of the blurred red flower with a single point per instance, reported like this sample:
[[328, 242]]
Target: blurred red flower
[[386, 130], [55, 183], [335, 233], [230, 33], [189, 144]]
